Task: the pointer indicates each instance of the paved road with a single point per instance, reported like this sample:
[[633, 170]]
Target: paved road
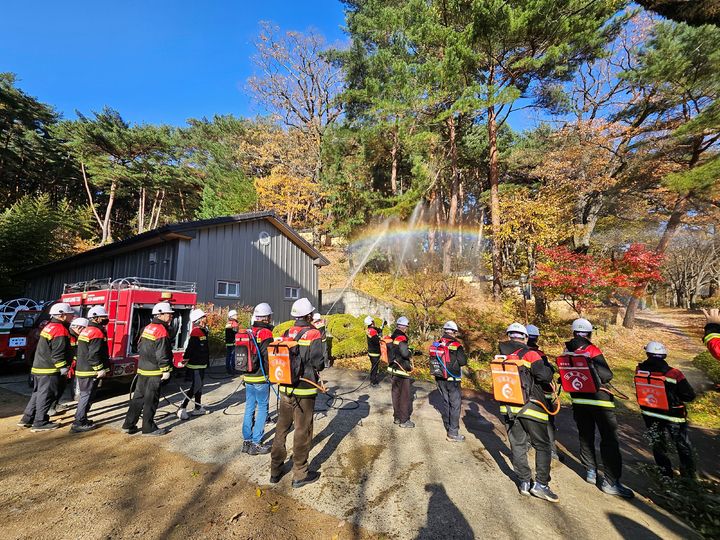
[[412, 483]]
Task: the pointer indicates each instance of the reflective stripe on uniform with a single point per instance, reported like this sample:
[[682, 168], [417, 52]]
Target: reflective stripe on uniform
[[711, 336], [596, 402], [398, 372], [85, 374], [255, 379], [150, 372], [195, 366], [373, 354], [527, 412], [146, 335], [304, 342], [290, 391], [60, 364], [453, 379], [668, 379], [664, 417], [44, 371]]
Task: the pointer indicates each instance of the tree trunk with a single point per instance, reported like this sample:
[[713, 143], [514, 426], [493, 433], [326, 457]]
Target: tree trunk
[[493, 180], [394, 155], [672, 226], [90, 199], [141, 211], [107, 224], [454, 186], [540, 304]]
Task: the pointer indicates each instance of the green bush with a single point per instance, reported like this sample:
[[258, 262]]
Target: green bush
[[711, 367], [710, 302], [348, 334]]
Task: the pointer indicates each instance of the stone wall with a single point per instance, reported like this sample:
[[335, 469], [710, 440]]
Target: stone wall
[[356, 303]]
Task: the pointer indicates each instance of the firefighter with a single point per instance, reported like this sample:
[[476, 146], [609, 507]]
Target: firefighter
[[231, 328], [712, 331], [319, 323], [257, 384], [92, 365], [528, 423], [53, 356], [596, 410], [673, 421], [399, 366], [77, 325], [449, 387], [197, 358], [154, 366], [297, 402], [373, 345], [548, 389]]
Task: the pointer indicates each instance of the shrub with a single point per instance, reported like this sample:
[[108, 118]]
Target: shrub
[[711, 367]]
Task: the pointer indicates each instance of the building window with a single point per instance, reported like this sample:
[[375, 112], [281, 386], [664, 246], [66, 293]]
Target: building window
[[292, 293], [227, 289]]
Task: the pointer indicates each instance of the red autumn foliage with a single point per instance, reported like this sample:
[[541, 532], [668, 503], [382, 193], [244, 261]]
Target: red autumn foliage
[[583, 280]]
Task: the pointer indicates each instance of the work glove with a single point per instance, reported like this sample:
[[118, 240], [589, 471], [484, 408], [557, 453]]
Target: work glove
[[101, 373], [63, 371], [712, 315], [165, 376]]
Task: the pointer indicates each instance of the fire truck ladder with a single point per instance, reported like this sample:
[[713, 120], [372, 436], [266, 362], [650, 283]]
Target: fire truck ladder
[[154, 284]]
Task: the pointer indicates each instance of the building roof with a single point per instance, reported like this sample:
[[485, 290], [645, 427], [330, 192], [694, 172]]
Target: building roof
[[180, 231]]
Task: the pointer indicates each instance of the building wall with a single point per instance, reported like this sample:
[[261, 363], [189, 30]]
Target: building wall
[[233, 252], [49, 286]]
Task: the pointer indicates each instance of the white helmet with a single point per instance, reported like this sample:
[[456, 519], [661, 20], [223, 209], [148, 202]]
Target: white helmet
[[516, 328], [450, 325], [62, 308], [402, 321], [79, 321], [161, 308], [369, 320], [655, 347], [582, 325], [196, 315], [301, 308], [97, 311], [533, 331], [261, 310], [232, 314]]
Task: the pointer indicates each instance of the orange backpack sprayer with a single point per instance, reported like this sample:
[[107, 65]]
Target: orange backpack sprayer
[[650, 390], [280, 362], [507, 383]]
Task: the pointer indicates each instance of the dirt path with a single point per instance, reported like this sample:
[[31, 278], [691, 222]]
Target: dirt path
[[403, 484], [105, 484]]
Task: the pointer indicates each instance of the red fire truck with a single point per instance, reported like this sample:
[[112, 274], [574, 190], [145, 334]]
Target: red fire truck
[[129, 302]]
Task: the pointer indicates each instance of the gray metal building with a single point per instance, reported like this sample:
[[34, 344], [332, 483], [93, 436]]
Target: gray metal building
[[235, 261]]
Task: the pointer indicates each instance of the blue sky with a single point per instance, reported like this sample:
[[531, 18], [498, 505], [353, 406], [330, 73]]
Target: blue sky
[[157, 61]]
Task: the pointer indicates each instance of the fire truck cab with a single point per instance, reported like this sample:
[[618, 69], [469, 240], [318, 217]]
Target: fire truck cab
[[129, 302], [13, 335]]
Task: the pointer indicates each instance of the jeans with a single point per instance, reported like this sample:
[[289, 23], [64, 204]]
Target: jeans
[[257, 395]]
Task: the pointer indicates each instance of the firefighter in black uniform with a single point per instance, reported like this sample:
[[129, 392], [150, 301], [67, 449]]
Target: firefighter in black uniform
[[231, 328], [77, 325], [297, 402], [449, 387], [399, 366], [53, 356], [528, 423], [154, 366], [197, 356], [92, 364], [373, 345], [550, 391], [673, 421], [597, 410], [319, 323]]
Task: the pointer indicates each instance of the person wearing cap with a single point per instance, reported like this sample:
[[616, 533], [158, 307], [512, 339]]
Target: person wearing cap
[[399, 366], [550, 391], [92, 365], [197, 358], [673, 421], [297, 401], [53, 356], [449, 387], [154, 366], [596, 411], [712, 331], [231, 328], [528, 423], [257, 384], [373, 345], [319, 323], [77, 325]]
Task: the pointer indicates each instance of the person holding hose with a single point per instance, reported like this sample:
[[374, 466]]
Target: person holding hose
[[197, 358], [92, 365], [449, 387], [154, 366]]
